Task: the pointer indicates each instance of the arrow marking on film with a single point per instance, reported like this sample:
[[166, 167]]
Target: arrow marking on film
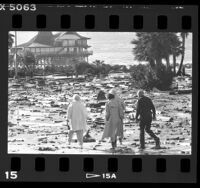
[[92, 175]]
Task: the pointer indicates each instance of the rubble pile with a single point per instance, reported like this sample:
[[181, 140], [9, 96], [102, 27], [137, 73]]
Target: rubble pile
[[37, 116]]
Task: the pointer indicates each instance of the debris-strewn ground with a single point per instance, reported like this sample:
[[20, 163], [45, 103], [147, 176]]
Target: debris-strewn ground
[[37, 118]]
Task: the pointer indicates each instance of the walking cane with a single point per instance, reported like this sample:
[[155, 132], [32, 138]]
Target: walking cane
[[61, 132]]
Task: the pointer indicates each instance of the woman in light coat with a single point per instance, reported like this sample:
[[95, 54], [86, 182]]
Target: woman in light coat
[[77, 116], [121, 102], [114, 117]]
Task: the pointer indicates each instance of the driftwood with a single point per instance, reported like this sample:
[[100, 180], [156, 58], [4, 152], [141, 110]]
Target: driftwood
[[56, 133], [185, 91]]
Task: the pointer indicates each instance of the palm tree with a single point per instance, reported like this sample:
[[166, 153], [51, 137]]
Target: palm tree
[[144, 49], [154, 47], [183, 36], [99, 67], [98, 63]]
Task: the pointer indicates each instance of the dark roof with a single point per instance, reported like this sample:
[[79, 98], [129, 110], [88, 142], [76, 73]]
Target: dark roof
[[42, 37], [70, 32], [47, 38], [80, 35], [56, 35]]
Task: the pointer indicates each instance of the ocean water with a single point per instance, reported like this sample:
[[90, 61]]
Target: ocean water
[[116, 47], [110, 47]]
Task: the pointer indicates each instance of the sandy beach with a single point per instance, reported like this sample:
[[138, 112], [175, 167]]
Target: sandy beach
[[37, 118]]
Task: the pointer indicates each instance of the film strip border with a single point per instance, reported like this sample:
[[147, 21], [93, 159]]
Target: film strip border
[[98, 168], [113, 22], [101, 18], [75, 167]]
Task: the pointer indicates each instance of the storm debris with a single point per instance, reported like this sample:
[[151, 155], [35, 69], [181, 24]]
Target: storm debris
[[37, 113]]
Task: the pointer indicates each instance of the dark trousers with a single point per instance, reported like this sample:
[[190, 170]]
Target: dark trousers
[[146, 125]]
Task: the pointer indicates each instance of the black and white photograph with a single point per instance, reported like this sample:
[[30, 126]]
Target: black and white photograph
[[99, 93]]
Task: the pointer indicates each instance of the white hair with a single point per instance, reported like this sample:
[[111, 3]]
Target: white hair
[[140, 93], [76, 97], [113, 92]]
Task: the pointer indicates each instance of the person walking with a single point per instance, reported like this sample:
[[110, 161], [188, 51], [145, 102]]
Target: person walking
[[145, 109], [121, 102], [113, 119], [119, 99], [77, 116]]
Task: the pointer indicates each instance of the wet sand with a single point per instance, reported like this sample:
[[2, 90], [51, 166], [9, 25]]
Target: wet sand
[[37, 118]]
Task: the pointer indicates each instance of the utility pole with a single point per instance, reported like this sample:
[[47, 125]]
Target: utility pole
[[15, 56]]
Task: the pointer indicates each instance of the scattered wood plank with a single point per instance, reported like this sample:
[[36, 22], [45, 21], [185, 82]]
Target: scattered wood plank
[[185, 91]]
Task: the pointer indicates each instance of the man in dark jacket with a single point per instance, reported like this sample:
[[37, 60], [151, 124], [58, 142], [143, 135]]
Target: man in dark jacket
[[145, 108]]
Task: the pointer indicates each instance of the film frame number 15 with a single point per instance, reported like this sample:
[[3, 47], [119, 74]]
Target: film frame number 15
[[11, 175]]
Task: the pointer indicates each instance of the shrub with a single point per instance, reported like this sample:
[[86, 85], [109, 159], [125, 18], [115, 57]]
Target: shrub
[[29, 61], [11, 73], [145, 77], [165, 77]]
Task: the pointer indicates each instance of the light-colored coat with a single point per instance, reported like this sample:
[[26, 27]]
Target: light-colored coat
[[77, 116], [120, 101], [114, 119]]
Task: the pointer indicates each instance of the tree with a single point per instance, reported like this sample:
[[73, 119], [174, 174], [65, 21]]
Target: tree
[[69, 70], [124, 68], [29, 61], [10, 40], [143, 76], [81, 67], [98, 63], [153, 47], [183, 36], [99, 67]]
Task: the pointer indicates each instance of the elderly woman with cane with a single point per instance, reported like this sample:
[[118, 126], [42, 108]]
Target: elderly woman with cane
[[77, 116]]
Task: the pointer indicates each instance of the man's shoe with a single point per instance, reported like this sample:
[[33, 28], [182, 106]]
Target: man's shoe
[[113, 145], [142, 147], [157, 144], [120, 141]]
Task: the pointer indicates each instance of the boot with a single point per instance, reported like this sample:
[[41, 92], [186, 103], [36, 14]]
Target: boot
[[113, 145], [120, 141], [142, 147]]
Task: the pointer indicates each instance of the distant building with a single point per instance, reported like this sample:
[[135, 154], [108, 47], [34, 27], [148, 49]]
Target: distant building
[[60, 49]]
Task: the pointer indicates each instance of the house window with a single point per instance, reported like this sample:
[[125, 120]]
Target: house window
[[42, 50], [84, 42], [71, 42], [71, 49], [79, 42], [65, 43]]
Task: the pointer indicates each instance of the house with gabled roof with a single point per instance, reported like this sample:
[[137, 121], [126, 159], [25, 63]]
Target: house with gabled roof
[[60, 49]]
